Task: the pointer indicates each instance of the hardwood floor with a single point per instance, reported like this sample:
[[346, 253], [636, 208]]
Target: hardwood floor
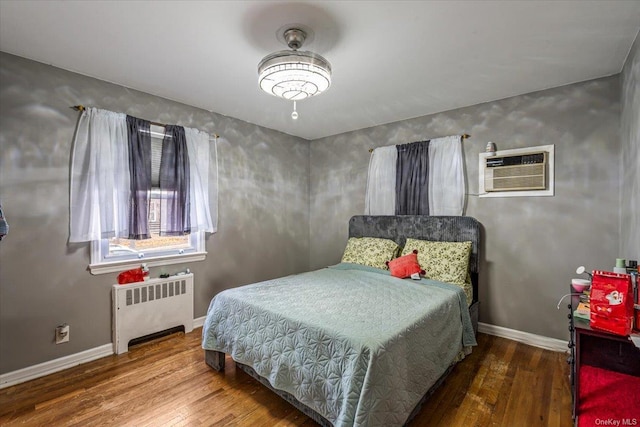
[[167, 383]]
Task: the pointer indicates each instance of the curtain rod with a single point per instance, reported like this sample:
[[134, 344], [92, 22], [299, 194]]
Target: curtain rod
[[464, 136], [82, 108]]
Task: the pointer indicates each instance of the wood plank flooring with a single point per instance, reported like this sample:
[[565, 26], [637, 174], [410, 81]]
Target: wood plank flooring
[[167, 383]]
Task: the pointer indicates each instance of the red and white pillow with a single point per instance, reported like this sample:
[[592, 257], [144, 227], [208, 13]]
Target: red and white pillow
[[405, 266]]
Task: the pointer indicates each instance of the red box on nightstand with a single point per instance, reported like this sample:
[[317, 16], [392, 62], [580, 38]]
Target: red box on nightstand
[[611, 302]]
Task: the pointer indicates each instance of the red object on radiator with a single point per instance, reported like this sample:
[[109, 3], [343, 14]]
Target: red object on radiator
[[132, 276]]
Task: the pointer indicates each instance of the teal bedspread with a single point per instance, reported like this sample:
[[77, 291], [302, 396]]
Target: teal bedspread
[[354, 344]]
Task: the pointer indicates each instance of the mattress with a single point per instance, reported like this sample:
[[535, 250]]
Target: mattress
[[352, 343]]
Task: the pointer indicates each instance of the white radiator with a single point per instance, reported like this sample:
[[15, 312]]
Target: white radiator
[[145, 308]]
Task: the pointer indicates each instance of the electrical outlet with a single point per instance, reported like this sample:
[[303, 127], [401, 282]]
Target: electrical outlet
[[62, 333]]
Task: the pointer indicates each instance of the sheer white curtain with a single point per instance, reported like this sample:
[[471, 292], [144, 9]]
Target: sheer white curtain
[[380, 196], [100, 183], [100, 189], [446, 176], [204, 215], [447, 185]]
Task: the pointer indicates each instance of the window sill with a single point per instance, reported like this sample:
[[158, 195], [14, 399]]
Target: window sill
[[116, 266]]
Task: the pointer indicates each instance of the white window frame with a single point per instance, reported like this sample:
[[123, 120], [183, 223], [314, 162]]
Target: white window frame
[[101, 263]]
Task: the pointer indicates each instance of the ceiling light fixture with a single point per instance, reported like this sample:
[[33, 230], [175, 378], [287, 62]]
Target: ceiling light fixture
[[292, 74]]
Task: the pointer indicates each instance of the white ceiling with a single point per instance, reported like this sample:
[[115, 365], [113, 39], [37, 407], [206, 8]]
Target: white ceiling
[[391, 60]]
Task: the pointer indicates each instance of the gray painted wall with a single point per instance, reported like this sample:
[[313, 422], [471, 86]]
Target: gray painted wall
[[532, 244], [630, 139], [263, 220]]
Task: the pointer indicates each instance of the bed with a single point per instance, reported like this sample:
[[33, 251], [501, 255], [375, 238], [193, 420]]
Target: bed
[[350, 345]]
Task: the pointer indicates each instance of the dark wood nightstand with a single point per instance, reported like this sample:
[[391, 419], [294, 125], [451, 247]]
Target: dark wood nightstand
[[599, 349]]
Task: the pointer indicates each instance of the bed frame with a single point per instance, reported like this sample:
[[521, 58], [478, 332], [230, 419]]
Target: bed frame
[[397, 228]]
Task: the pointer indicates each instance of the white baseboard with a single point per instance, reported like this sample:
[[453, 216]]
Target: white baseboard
[[199, 321], [55, 365], [547, 343], [52, 366]]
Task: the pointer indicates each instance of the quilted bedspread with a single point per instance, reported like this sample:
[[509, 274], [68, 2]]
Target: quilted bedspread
[[354, 344]]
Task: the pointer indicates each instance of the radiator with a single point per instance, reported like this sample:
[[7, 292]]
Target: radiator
[[152, 306]]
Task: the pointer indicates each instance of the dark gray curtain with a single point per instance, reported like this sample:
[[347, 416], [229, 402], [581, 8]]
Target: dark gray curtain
[[140, 172], [174, 183], [412, 179]]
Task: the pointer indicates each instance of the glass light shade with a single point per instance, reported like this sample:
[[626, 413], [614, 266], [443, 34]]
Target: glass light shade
[[294, 75]]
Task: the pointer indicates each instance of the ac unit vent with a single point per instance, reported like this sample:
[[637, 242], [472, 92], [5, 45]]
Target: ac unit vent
[[516, 173]]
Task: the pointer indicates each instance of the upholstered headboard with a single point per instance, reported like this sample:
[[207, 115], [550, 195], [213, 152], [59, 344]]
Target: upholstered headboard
[[436, 228]]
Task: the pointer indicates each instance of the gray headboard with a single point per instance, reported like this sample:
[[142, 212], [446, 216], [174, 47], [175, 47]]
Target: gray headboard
[[435, 228]]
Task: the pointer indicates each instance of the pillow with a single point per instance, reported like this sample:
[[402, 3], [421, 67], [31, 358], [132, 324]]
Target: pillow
[[371, 251], [405, 266], [443, 261]]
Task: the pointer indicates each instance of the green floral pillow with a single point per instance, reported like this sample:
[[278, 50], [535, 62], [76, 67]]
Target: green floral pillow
[[443, 261], [371, 251]]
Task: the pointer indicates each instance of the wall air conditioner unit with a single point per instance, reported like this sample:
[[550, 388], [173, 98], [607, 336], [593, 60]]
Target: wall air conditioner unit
[[516, 173]]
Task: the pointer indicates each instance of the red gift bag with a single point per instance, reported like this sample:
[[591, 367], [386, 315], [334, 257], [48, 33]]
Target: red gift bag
[[611, 302]]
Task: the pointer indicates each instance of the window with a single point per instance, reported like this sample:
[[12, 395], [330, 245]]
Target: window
[[117, 254], [119, 248], [154, 213]]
